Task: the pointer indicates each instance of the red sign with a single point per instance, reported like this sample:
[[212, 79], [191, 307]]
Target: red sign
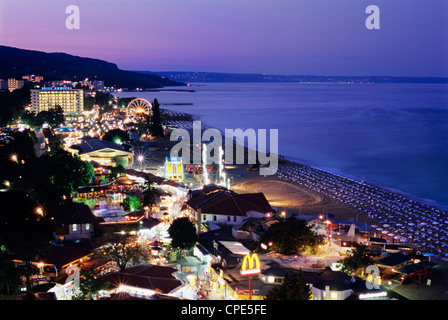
[[244, 292]]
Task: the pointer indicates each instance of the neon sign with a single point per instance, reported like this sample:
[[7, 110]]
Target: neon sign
[[250, 265]]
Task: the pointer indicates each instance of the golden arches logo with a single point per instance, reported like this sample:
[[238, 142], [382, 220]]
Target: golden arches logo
[[250, 265]]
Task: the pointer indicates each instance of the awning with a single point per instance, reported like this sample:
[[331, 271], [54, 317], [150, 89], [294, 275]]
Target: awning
[[235, 247]]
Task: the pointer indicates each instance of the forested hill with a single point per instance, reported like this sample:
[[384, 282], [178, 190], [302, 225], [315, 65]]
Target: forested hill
[[15, 62]]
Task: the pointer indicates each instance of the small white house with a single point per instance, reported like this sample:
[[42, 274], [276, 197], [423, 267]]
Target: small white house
[[221, 206], [72, 222]]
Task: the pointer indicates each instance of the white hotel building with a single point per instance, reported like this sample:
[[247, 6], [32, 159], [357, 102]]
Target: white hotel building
[[71, 100]]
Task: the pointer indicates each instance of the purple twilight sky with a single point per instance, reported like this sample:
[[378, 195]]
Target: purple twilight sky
[[244, 36]]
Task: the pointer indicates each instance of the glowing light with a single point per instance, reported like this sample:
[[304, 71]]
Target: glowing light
[[373, 295], [39, 211], [250, 265]]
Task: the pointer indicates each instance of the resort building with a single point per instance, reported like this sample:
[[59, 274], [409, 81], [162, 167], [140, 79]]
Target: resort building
[[142, 282], [70, 100], [32, 78], [102, 152], [11, 84], [219, 205], [72, 222], [174, 169]]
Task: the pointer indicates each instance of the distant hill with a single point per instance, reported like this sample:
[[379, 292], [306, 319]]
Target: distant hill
[[241, 77], [15, 62]]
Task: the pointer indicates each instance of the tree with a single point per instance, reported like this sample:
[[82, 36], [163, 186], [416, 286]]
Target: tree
[[15, 158], [361, 257], [121, 249], [24, 233], [53, 142], [57, 176], [12, 104], [116, 135], [291, 236], [293, 287], [54, 117], [149, 195], [131, 203], [155, 126], [182, 233], [9, 274], [90, 283]]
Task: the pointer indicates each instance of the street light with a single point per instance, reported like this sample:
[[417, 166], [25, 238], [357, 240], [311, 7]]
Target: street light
[[140, 159], [283, 214], [39, 211]]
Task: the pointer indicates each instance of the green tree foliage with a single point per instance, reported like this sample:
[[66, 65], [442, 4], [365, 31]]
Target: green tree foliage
[[54, 117], [13, 103], [16, 156], [24, 234], [104, 100], [46, 178], [90, 283], [9, 274], [291, 236], [58, 175], [53, 142], [293, 287], [116, 136], [131, 203], [121, 249], [360, 258], [155, 126], [149, 195], [182, 233]]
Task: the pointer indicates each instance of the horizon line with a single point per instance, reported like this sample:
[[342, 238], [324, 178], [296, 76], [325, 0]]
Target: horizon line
[[291, 75]]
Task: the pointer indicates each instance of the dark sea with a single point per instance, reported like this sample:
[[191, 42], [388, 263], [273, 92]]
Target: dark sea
[[391, 135]]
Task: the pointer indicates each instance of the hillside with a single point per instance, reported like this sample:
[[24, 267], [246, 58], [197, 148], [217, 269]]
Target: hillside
[[15, 62]]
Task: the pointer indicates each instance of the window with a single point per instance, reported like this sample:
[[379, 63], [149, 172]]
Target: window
[[214, 218], [74, 227], [228, 218], [204, 217], [234, 218], [88, 226]]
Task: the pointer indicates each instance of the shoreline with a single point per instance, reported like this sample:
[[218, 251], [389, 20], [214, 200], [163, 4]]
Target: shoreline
[[307, 190]]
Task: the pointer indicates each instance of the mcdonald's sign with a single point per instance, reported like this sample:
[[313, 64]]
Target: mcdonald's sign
[[250, 265]]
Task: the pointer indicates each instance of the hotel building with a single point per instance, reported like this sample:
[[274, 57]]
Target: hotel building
[[11, 84], [71, 100]]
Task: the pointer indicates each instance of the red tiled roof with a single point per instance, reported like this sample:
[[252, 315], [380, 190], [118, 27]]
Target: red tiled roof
[[146, 277], [224, 202]]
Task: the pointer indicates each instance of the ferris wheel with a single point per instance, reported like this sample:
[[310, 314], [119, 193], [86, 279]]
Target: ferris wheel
[[139, 107]]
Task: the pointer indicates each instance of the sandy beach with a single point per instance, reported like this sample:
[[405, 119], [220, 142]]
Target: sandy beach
[[290, 197], [283, 195], [305, 190]]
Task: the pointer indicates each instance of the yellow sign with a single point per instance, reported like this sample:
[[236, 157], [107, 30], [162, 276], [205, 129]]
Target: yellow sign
[[250, 265]]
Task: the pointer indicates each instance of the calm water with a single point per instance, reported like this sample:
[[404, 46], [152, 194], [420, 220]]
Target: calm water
[[392, 135]]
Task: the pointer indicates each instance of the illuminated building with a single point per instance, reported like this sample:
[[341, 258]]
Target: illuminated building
[[11, 84], [71, 100], [32, 78], [219, 205], [102, 152], [174, 169]]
